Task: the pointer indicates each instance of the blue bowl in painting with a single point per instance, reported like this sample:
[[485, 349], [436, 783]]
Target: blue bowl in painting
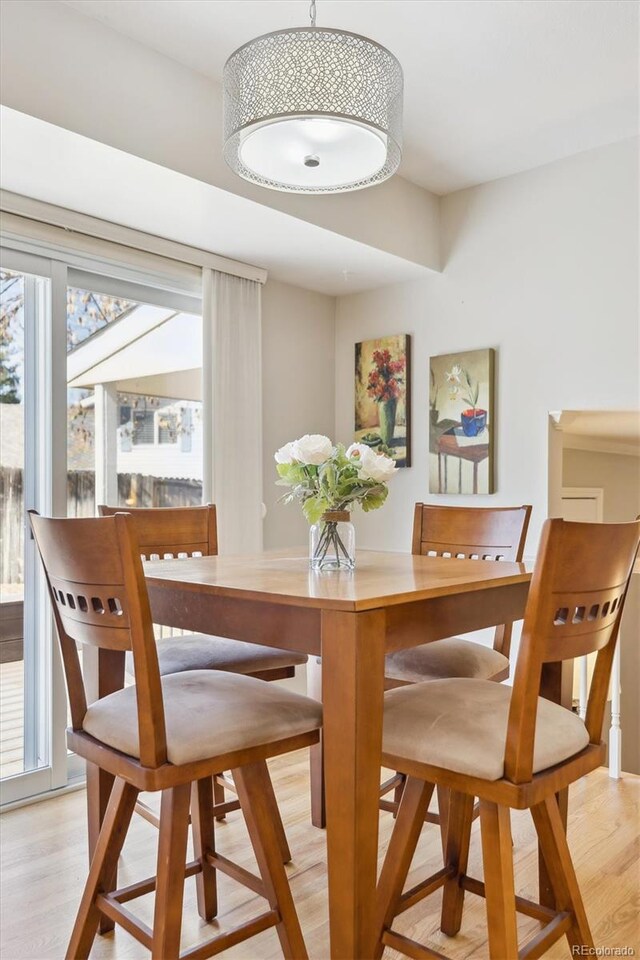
[[473, 422]]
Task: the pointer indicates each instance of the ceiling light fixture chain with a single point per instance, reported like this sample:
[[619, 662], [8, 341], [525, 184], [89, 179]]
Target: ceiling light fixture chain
[[312, 13]]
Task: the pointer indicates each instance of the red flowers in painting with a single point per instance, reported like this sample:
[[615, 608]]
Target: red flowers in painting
[[385, 380]]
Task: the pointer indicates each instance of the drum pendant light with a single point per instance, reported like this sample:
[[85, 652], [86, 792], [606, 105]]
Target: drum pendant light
[[313, 110]]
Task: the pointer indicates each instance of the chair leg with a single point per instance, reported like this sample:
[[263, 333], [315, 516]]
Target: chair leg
[[103, 866], [497, 859], [458, 816], [557, 857], [397, 795], [253, 786], [172, 851], [283, 843], [218, 797], [316, 771], [444, 796], [99, 786], [204, 842], [402, 845]]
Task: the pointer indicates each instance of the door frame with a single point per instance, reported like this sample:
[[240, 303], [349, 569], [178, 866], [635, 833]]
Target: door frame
[[44, 717], [586, 493]]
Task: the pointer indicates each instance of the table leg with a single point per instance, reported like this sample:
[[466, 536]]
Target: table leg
[[440, 490], [316, 753], [556, 685], [353, 682], [104, 674], [475, 477]]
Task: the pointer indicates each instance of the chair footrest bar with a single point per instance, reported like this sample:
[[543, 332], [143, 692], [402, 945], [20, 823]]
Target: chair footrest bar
[[225, 782], [148, 814], [538, 945], [142, 887], [219, 809], [226, 940], [395, 781], [423, 889], [237, 873], [409, 947], [119, 914], [528, 907]]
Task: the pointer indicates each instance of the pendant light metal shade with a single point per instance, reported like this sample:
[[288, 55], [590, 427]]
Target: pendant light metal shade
[[313, 110]]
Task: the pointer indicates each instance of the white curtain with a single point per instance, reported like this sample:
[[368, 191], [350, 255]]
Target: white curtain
[[232, 401]]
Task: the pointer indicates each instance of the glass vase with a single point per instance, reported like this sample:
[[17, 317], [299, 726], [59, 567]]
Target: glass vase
[[332, 542]]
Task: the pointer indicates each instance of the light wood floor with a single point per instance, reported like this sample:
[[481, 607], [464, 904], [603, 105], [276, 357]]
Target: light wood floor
[[44, 867]]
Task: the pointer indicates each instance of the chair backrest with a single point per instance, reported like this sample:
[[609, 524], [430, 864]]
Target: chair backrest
[[472, 533], [574, 608], [165, 533], [99, 597]]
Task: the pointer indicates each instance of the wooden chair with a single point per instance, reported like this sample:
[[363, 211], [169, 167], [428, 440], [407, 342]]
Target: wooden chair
[[167, 734], [484, 533], [510, 748], [169, 533]]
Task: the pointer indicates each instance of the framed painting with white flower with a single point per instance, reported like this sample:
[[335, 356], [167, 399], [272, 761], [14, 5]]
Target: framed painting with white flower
[[382, 396], [462, 422]]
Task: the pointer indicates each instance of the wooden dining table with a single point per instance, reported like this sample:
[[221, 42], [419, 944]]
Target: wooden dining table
[[351, 619]]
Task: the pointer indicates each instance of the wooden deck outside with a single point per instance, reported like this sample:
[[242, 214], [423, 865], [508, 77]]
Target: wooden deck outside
[[11, 718]]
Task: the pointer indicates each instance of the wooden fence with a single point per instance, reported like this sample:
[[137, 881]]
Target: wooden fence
[[134, 490]]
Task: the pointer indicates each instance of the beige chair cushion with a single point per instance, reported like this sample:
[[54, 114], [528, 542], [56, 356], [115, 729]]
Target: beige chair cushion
[[207, 713], [202, 652], [453, 657], [461, 725]]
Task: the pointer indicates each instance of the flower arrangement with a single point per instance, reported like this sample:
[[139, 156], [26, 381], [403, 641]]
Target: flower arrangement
[[385, 379], [326, 477], [328, 481]]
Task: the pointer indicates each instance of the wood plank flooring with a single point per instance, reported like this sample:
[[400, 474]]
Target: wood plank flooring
[[44, 866]]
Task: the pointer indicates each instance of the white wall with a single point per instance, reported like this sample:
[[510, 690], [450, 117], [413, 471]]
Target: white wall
[[298, 341], [542, 266], [619, 478], [78, 73]]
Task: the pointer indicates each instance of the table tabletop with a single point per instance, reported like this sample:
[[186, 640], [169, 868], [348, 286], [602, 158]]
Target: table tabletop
[[380, 579]]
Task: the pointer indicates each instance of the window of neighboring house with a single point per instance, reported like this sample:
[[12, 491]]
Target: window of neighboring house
[[167, 427], [143, 426]]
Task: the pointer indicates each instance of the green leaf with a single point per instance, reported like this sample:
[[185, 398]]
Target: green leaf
[[314, 507], [374, 498]]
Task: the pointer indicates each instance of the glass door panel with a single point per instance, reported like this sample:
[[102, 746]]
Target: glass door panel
[[25, 637]]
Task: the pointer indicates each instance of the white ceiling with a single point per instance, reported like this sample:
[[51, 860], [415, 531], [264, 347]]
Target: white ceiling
[[492, 87], [601, 426]]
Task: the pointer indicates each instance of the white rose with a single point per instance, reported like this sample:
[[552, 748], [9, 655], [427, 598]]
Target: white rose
[[312, 449], [357, 450], [376, 466], [284, 454]]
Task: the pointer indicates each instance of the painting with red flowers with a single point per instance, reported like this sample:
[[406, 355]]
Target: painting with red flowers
[[382, 396]]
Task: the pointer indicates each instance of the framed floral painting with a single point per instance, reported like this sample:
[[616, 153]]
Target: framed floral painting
[[383, 395], [462, 422]]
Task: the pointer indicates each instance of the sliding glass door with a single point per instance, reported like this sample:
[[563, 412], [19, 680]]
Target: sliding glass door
[[29, 697], [100, 402]]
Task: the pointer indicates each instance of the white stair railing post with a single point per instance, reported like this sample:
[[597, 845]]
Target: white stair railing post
[[584, 687], [615, 731]]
